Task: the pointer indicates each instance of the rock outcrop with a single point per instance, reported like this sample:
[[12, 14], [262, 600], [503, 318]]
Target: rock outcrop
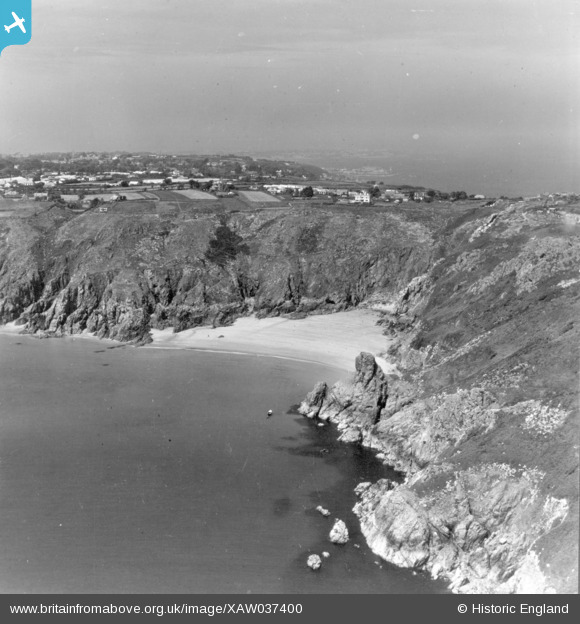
[[314, 562], [145, 266], [354, 408], [480, 303], [339, 533], [482, 413]]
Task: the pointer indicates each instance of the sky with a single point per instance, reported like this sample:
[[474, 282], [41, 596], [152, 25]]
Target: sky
[[481, 95]]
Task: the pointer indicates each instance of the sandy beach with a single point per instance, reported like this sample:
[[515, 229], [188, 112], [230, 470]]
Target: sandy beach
[[331, 339]]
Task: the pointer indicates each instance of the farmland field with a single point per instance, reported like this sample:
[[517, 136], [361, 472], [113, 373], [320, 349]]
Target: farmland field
[[258, 197], [102, 196], [195, 194], [180, 196], [134, 195]]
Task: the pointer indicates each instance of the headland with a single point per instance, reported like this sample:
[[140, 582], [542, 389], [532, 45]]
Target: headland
[[478, 301]]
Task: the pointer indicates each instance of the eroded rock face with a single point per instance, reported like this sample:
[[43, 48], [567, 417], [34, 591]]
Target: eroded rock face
[[120, 274], [314, 401], [478, 531], [482, 413], [420, 432], [354, 408]]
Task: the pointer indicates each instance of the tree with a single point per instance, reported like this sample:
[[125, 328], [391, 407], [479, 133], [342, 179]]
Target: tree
[[226, 245], [308, 191], [124, 183], [193, 184], [167, 181]]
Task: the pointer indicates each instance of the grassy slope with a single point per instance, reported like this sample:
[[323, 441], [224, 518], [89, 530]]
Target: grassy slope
[[501, 314], [483, 414]]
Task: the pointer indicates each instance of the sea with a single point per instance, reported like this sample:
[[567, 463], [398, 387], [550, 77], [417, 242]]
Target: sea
[[145, 470]]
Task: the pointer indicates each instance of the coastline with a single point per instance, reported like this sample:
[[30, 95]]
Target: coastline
[[331, 339], [334, 340]]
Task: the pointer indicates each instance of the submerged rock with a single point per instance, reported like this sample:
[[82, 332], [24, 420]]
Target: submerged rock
[[339, 533]]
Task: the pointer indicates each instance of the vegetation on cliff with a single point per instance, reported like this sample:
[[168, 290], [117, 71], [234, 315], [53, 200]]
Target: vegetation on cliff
[[482, 415], [120, 274], [481, 305]]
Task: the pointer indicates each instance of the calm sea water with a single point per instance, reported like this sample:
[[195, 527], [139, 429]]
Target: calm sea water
[[127, 470]]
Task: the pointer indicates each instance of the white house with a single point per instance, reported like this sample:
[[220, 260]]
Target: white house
[[361, 197]]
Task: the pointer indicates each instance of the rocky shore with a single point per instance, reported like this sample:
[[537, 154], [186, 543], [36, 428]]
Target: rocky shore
[[480, 306], [482, 414], [121, 274]]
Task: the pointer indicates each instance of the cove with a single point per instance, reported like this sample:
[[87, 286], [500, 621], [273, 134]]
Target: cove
[[126, 470]]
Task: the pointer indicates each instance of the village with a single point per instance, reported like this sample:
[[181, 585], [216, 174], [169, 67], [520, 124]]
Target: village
[[94, 180]]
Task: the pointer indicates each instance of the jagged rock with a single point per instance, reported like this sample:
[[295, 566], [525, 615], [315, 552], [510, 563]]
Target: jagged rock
[[66, 271], [395, 525], [339, 533], [351, 436], [356, 407], [314, 400], [484, 345], [321, 510], [314, 562], [362, 487], [484, 307], [476, 532], [369, 394]]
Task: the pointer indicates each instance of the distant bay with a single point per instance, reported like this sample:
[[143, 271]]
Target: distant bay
[[126, 470]]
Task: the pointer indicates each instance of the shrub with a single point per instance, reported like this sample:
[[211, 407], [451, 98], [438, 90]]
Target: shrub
[[225, 246]]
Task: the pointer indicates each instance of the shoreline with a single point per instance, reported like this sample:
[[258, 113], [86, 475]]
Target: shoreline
[[332, 340]]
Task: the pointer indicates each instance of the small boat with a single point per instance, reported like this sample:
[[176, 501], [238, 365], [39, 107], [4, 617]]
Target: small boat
[[270, 412]]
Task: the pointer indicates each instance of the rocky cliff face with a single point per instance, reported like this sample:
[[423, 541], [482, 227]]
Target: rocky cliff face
[[481, 305], [121, 273], [482, 415]]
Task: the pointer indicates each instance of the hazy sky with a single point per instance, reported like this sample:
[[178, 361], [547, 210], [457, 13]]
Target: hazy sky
[[485, 91]]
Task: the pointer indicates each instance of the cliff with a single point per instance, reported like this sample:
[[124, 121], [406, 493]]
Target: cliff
[[482, 415], [137, 267], [481, 307]]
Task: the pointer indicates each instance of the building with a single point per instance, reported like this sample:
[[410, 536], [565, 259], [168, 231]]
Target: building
[[360, 197]]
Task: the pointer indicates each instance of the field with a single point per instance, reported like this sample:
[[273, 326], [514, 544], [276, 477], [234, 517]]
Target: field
[[195, 194], [104, 196], [20, 208], [183, 196], [134, 195], [258, 197]]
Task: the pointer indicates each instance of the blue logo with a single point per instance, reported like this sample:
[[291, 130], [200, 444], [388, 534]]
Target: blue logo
[[15, 22]]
